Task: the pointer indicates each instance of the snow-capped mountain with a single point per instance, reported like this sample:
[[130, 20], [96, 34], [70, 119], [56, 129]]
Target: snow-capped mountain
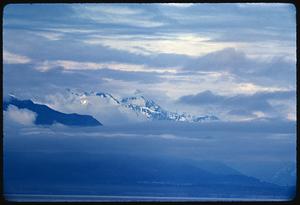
[[138, 107], [109, 109], [145, 107], [108, 98], [102, 105], [154, 112]]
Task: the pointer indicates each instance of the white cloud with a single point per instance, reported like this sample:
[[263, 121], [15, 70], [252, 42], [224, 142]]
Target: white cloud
[[20, 116], [263, 5], [59, 32], [292, 116], [173, 86], [220, 82], [105, 13], [190, 44], [179, 5], [11, 58], [269, 49], [53, 36], [109, 9], [250, 88], [75, 65]]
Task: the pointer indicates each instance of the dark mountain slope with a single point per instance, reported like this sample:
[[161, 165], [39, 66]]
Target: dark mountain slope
[[48, 116]]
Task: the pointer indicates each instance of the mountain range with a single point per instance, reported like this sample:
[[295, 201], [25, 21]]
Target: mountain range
[[91, 108], [138, 106]]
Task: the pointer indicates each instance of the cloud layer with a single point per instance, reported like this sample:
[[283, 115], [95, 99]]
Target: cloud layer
[[11, 58], [20, 116], [248, 106], [166, 50]]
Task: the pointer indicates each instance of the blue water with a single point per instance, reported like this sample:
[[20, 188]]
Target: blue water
[[137, 164]]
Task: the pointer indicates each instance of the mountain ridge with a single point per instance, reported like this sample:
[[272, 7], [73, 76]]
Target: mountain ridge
[[147, 108], [108, 109], [49, 116]]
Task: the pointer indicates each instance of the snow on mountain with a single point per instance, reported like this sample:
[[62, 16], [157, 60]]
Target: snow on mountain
[[103, 106], [145, 107], [154, 112], [110, 110]]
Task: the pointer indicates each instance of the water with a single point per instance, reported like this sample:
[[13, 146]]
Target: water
[[153, 164]]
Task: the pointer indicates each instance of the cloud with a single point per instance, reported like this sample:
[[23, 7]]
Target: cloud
[[178, 49], [189, 44], [256, 105], [178, 5], [20, 116], [117, 15], [241, 112], [34, 83], [75, 65], [245, 68], [206, 97], [226, 59], [263, 5], [105, 110], [71, 48], [37, 84], [11, 58], [243, 26], [53, 36], [252, 72], [120, 77]]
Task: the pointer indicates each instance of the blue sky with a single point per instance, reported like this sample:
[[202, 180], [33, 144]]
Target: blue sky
[[237, 61]]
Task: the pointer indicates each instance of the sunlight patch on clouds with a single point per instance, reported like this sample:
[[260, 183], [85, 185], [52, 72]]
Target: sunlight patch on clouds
[[192, 44], [12, 58], [250, 88], [185, 44], [74, 65]]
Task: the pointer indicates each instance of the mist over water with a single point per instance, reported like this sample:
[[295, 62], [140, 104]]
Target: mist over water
[[149, 160]]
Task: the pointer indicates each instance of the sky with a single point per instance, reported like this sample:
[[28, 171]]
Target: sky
[[236, 61]]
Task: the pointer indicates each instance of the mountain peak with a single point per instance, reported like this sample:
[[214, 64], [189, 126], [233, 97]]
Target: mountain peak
[[107, 95], [135, 100]]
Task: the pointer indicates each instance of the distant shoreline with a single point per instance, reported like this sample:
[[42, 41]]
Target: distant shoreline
[[86, 198]]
